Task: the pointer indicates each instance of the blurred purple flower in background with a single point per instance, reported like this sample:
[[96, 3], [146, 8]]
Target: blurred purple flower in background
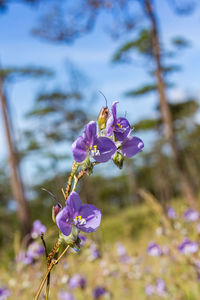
[[34, 251], [37, 229], [154, 249], [23, 259], [100, 148], [188, 247], [191, 215], [4, 293], [77, 281], [149, 289], [171, 213], [121, 252], [159, 289], [85, 217], [98, 292], [65, 296], [94, 252], [198, 228]]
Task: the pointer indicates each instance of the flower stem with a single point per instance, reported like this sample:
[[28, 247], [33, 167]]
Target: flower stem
[[52, 264], [48, 286], [75, 166]]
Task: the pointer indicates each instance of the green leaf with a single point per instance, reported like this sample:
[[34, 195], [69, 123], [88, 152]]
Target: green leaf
[[41, 111], [142, 44], [142, 90], [184, 109], [147, 124]]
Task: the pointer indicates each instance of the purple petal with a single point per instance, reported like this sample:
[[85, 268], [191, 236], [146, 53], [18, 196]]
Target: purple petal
[[92, 216], [73, 203], [109, 126], [63, 221], [79, 149], [105, 149], [90, 133], [131, 146], [112, 119], [122, 129], [114, 111]]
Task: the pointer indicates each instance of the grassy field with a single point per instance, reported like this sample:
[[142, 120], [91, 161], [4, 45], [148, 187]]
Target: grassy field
[[116, 258]]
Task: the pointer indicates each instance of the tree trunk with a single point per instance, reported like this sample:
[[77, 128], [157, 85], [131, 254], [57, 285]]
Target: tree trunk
[[16, 182], [165, 111]]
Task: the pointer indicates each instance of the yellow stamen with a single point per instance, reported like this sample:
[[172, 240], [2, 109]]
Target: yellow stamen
[[120, 126]]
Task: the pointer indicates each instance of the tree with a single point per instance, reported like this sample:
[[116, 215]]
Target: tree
[[56, 28], [16, 180]]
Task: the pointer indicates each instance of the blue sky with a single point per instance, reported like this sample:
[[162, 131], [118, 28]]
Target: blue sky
[[92, 54]]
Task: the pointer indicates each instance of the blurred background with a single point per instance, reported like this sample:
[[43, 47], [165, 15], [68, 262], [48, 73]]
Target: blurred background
[[55, 56]]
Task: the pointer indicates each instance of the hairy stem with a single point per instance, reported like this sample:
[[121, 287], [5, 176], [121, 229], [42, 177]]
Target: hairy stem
[[75, 166]]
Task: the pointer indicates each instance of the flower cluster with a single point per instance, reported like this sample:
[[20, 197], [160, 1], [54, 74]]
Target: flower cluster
[[114, 139]]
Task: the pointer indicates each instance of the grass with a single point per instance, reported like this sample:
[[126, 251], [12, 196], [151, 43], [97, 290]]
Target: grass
[[134, 227]]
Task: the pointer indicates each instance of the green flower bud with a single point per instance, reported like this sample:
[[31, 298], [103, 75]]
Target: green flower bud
[[118, 160]]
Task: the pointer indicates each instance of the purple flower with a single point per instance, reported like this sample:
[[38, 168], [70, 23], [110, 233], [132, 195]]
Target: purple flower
[[198, 228], [121, 250], [65, 296], [22, 258], [191, 215], [84, 217], [154, 249], [37, 229], [149, 289], [35, 250], [4, 293], [100, 148], [94, 252], [77, 281], [171, 213], [98, 292], [123, 256], [119, 126], [131, 146], [188, 247], [160, 287]]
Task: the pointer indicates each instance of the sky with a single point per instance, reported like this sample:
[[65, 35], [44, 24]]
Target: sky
[[92, 54]]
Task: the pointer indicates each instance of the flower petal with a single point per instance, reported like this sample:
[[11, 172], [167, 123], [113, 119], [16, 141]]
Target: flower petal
[[63, 221], [114, 110], [122, 129], [73, 204], [92, 215], [131, 146], [105, 149], [79, 149], [90, 133], [109, 126]]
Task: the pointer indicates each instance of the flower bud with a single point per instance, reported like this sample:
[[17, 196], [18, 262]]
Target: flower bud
[[55, 210], [103, 117], [118, 160]]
